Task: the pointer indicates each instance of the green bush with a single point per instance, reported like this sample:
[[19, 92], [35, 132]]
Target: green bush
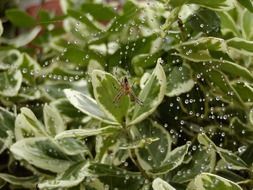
[[152, 95]]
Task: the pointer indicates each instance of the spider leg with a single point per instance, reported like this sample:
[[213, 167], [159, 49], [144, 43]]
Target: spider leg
[[136, 99], [121, 83], [118, 96]]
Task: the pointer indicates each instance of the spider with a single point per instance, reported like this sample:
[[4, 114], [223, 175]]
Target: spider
[[126, 89]]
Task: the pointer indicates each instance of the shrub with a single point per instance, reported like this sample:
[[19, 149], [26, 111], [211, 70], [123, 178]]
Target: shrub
[[139, 95]]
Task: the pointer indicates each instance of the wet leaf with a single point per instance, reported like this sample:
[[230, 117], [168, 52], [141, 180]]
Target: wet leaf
[[174, 159], [106, 89], [82, 133], [215, 5], [240, 45], [159, 184], [208, 181], [7, 120], [20, 18], [179, 81], [156, 154], [70, 178], [22, 39], [53, 121], [86, 105], [233, 161], [99, 11], [202, 160], [26, 182], [247, 4], [10, 82], [43, 153], [151, 95], [27, 125]]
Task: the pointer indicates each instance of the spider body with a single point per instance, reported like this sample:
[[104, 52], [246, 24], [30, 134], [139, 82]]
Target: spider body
[[126, 89]]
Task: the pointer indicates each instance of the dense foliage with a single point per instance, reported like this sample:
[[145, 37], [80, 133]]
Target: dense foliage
[[67, 121]]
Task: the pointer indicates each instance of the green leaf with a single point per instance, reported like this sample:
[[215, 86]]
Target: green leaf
[[20, 18], [29, 93], [99, 11], [202, 44], [74, 175], [65, 69], [82, 133], [7, 120], [105, 91], [84, 19], [207, 181], [115, 177], [204, 140], [241, 130], [2, 183], [143, 61], [250, 117], [27, 125], [1, 28], [219, 5], [43, 153], [139, 143], [247, 4], [86, 105], [135, 50], [22, 39], [108, 149], [247, 155], [10, 82], [152, 155], [29, 68], [203, 160], [26, 182], [233, 161], [219, 83], [54, 89], [79, 56], [6, 142], [174, 159], [151, 95], [53, 121], [240, 45], [179, 81], [10, 59], [159, 184], [228, 24], [109, 170], [204, 20], [244, 90], [226, 66], [72, 146], [231, 176], [45, 17], [233, 69], [66, 108], [131, 10], [199, 50], [246, 22]]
